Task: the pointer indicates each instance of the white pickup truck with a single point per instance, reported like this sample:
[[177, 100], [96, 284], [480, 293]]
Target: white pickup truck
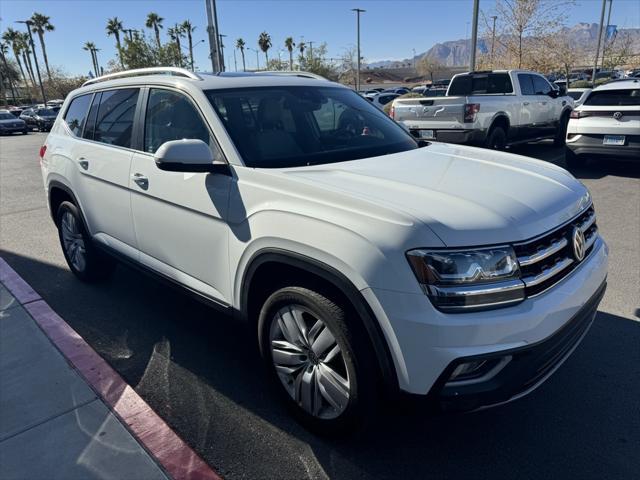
[[489, 108]]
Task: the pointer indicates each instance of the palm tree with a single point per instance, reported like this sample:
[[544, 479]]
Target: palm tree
[[264, 41], [91, 48], [114, 27], [39, 24], [176, 33], [240, 46], [13, 38], [188, 29], [25, 48], [10, 71], [301, 46], [155, 21], [288, 42]]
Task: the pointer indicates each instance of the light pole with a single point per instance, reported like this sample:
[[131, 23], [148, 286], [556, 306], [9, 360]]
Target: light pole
[[474, 35], [493, 39], [212, 30], [257, 57], [414, 58], [28, 23], [358, 12], [595, 65], [221, 36], [606, 32]]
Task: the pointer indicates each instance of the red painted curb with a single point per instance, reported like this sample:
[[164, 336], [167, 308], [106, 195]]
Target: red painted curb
[[176, 457]]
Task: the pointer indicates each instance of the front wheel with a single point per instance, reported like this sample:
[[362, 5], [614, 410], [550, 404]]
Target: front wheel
[[561, 134], [319, 357], [85, 261]]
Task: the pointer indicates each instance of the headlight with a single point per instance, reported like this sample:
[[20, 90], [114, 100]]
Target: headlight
[[469, 279]]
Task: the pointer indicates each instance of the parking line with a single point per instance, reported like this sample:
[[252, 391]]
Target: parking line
[[152, 432]]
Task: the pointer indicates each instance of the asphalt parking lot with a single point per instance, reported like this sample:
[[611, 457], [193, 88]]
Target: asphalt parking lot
[[201, 373]]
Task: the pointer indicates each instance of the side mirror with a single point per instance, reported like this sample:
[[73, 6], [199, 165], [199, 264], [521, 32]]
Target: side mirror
[[187, 155], [554, 93]]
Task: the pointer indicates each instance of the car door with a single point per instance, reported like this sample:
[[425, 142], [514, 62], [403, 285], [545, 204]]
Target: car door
[[528, 107], [180, 218], [544, 105], [103, 160]]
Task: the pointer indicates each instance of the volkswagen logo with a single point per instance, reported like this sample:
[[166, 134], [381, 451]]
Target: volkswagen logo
[[578, 242], [617, 115]]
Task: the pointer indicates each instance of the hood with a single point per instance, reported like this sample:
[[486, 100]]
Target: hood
[[467, 196]]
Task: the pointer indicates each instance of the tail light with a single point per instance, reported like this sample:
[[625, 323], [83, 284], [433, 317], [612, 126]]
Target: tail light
[[470, 112], [43, 150], [578, 114], [392, 112]]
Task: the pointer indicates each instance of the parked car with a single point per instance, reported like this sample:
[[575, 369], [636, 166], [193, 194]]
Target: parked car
[[398, 90], [39, 118], [578, 95], [606, 125], [10, 124], [382, 98], [489, 108], [360, 261]]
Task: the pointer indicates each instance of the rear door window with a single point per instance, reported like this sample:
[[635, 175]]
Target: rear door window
[[114, 120], [76, 114], [615, 98]]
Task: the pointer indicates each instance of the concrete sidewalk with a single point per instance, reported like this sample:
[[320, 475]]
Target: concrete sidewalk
[[52, 423]]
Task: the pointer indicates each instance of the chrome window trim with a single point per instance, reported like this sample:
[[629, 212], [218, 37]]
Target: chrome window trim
[[542, 254]]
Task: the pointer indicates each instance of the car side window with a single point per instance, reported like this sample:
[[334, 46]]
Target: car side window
[[114, 120], [526, 84], [91, 117], [540, 85], [172, 116], [76, 114]]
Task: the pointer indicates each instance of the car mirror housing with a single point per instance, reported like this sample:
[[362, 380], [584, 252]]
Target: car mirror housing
[[187, 155]]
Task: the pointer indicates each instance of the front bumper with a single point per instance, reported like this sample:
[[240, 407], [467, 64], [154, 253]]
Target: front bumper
[[591, 144], [425, 342]]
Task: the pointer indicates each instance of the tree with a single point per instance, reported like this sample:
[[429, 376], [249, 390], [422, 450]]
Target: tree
[[13, 38], [302, 47], [427, 66], [91, 48], [176, 33], [618, 51], [39, 24], [522, 25], [290, 45], [188, 29], [155, 21], [114, 27], [25, 48], [240, 45], [264, 41], [7, 71]]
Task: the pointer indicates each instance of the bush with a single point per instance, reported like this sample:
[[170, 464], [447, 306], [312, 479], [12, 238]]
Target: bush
[[387, 107], [587, 83]]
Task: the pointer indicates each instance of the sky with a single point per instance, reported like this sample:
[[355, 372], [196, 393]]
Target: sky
[[390, 29]]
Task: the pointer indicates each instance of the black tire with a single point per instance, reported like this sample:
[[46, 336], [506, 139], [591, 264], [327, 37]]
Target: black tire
[[97, 265], [25, 132], [356, 352], [497, 139], [560, 139], [572, 160]]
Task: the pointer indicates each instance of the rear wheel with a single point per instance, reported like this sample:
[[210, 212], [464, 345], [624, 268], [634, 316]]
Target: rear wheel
[[85, 261], [319, 359], [497, 139]]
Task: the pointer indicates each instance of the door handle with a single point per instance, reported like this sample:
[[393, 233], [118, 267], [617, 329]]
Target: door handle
[[141, 180], [525, 103], [83, 162]]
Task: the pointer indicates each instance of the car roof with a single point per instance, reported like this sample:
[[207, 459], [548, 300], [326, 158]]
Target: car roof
[[623, 84]]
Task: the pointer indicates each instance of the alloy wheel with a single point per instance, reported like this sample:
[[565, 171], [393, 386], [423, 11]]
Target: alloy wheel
[[73, 241], [309, 362]]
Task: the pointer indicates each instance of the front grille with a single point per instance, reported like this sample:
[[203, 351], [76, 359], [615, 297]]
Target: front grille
[[546, 260]]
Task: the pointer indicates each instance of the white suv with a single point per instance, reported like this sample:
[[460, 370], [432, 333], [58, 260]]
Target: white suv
[[364, 260]]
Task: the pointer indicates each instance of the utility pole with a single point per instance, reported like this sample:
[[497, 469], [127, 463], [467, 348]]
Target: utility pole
[[493, 41], [474, 35], [35, 58], [595, 65], [358, 12], [310, 50], [222, 65], [212, 30], [414, 58], [606, 32], [235, 61]]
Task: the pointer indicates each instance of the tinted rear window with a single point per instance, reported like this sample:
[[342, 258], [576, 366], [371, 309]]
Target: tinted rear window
[[479, 84], [114, 120], [616, 98], [575, 95], [77, 114]]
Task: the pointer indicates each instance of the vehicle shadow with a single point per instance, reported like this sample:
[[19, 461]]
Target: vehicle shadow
[[200, 371]]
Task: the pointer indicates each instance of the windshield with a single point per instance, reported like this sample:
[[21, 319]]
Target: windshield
[[6, 116], [45, 112], [616, 98], [289, 126]]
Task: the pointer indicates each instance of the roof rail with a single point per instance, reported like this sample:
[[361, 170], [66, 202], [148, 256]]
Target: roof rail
[[291, 73], [181, 72]]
